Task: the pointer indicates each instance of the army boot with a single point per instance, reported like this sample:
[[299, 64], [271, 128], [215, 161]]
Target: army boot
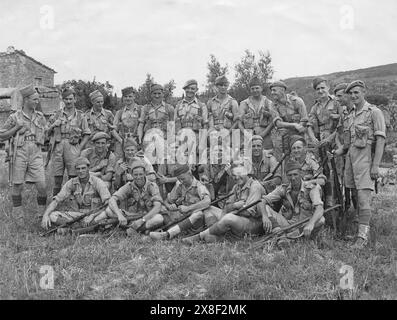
[[362, 237]]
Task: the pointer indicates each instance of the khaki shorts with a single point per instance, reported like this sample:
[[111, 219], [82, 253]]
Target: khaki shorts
[[69, 215], [63, 157], [29, 164], [358, 167]]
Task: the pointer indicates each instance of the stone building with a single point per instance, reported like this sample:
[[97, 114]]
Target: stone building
[[17, 69]]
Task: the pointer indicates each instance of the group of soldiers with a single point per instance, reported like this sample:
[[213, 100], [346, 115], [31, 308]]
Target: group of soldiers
[[293, 173]]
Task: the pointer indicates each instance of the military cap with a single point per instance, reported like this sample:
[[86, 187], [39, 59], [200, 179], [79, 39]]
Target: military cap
[[256, 137], [356, 83], [127, 91], [130, 143], [221, 80], [180, 169], [100, 135], [317, 81], [156, 86], [296, 138], [255, 81], [292, 165], [27, 91], [137, 164], [81, 161], [278, 84], [67, 92], [189, 83], [340, 86], [95, 94]]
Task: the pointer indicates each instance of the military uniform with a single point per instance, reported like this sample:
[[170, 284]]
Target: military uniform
[[99, 162], [310, 166], [190, 114], [100, 122], [157, 117], [222, 114]]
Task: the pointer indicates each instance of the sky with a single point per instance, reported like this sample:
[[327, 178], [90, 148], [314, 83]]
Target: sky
[[121, 41]]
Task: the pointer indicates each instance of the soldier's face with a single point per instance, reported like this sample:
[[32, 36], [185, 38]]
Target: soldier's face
[[139, 176], [82, 171], [257, 148], [100, 145], [294, 177], [297, 149], [342, 97], [357, 95], [256, 91], [322, 90], [222, 88], [185, 179], [130, 152], [70, 100], [157, 96], [190, 91], [33, 101], [98, 103], [129, 99], [277, 93]]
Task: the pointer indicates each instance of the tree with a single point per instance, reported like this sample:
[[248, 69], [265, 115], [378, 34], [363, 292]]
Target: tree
[[249, 67], [377, 99], [214, 70], [143, 95]]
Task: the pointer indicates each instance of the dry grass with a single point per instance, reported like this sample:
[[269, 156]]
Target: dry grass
[[117, 267]]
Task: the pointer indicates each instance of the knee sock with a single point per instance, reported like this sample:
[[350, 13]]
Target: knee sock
[[41, 200], [185, 224], [365, 216], [16, 201], [174, 231]]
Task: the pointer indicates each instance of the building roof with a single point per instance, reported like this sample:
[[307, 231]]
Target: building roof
[[21, 52]]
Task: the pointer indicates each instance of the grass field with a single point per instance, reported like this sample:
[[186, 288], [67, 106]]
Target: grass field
[[117, 267]]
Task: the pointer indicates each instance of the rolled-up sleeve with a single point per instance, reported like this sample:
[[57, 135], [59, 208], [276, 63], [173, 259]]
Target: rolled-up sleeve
[[255, 194], [315, 196], [379, 123], [274, 196], [123, 192], [65, 192]]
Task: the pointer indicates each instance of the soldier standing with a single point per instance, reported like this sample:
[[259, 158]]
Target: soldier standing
[[126, 121], [367, 128], [28, 127], [65, 129]]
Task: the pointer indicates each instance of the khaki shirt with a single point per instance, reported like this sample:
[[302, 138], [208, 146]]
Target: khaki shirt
[[139, 200], [34, 126], [308, 198], [94, 194], [99, 122], [255, 117], [180, 195], [293, 111], [193, 115], [222, 114], [310, 166], [157, 116], [99, 161], [267, 164], [249, 193], [126, 120]]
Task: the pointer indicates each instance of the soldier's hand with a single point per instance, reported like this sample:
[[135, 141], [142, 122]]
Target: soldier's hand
[[122, 220], [129, 177], [374, 172], [330, 155], [124, 166], [183, 209], [87, 220], [299, 128], [267, 225], [307, 230], [315, 142], [238, 205], [46, 222], [172, 207]]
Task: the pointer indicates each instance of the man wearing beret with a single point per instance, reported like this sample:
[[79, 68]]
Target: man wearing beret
[[300, 200], [98, 118], [28, 128], [102, 160], [65, 128], [290, 117], [89, 192], [126, 120], [142, 197], [156, 114], [367, 128], [189, 196], [255, 113]]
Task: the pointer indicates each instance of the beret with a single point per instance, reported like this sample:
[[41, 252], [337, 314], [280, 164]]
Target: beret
[[180, 169], [100, 135], [317, 81], [67, 92], [296, 138], [278, 84], [137, 164], [292, 165], [189, 83], [256, 137], [340, 86], [127, 91], [221, 80], [81, 160], [255, 82], [95, 94], [156, 86], [129, 143], [356, 83], [27, 91]]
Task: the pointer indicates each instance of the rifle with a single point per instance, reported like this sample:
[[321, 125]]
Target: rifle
[[50, 151], [271, 174], [69, 223], [259, 243], [10, 163], [14, 155]]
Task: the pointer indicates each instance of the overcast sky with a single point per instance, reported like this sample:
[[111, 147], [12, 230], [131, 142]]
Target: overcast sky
[[120, 41]]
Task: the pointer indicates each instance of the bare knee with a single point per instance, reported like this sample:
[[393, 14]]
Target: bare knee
[[196, 216], [228, 220], [154, 221]]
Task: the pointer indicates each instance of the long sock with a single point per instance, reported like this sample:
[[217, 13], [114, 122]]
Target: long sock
[[365, 216], [16, 201], [185, 224], [41, 200]]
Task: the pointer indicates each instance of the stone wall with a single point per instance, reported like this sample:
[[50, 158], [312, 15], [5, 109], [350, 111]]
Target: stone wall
[[16, 70]]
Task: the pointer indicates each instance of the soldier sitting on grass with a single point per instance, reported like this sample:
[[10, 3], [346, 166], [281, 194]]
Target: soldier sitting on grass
[[88, 191]]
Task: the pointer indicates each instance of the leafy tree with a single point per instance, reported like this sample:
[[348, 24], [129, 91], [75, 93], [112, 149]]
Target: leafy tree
[[377, 99], [142, 95], [214, 70]]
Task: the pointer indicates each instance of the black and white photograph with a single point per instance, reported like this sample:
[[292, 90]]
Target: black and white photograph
[[194, 157]]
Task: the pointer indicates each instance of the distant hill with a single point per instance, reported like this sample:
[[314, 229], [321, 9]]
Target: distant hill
[[380, 80]]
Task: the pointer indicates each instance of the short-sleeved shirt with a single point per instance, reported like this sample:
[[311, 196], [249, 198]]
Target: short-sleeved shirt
[[100, 160], [180, 195], [256, 117], [310, 166], [365, 125], [99, 122], [250, 192], [267, 164], [94, 194], [292, 111], [222, 113], [76, 120], [126, 120], [190, 114], [34, 126], [139, 200], [307, 199], [157, 116], [325, 116]]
